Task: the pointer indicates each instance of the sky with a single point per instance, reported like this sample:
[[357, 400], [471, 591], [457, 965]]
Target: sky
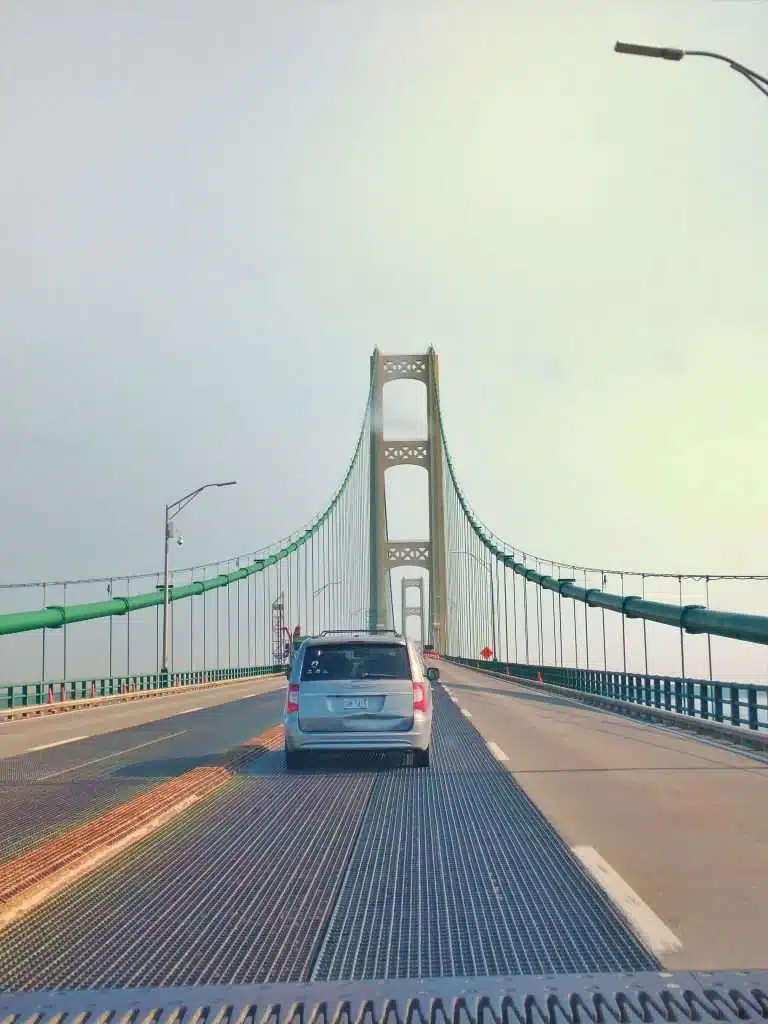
[[212, 212]]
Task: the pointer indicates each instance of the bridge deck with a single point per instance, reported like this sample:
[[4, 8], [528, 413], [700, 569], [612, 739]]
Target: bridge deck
[[126, 750], [683, 820], [380, 870]]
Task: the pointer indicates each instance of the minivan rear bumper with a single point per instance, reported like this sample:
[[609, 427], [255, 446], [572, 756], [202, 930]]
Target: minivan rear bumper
[[418, 738]]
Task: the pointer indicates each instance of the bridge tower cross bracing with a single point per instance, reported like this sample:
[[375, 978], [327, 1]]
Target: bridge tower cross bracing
[[427, 452]]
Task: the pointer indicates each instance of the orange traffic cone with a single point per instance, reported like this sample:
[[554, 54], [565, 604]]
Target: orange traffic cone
[[538, 677], [50, 694]]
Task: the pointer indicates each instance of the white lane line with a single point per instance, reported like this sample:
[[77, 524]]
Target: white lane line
[[467, 714], [496, 750], [58, 743], [651, 929], [107, 757], [189, 711]]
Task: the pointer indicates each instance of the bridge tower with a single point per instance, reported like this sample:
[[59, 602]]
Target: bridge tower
[[427, 452], [408, 610]]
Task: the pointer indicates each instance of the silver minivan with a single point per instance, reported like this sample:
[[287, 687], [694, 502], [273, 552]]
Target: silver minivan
[[358, 691]]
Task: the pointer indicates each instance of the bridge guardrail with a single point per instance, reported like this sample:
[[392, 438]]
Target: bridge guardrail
[[740, 705], [18, 696]]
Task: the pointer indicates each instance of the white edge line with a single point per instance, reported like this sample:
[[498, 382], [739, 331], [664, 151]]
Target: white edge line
[[188, 711], [496, 750], [58, 743], [651, 929], [467, 714]]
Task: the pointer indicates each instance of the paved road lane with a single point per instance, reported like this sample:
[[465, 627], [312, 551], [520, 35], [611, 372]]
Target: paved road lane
[[24, 734], [43, 792], [684, 822]]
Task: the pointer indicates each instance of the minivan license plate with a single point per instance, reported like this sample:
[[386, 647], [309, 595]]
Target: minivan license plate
[[355, 703]]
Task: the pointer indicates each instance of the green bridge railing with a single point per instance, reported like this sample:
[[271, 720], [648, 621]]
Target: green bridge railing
[[743, 705], [23, 695]]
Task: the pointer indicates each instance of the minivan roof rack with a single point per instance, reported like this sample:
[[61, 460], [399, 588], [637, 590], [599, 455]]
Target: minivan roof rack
[[369, 632]]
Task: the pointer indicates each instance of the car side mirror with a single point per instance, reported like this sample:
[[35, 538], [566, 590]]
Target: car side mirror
[[433, 674]]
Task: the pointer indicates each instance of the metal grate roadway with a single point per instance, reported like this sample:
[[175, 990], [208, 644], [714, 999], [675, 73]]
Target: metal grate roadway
[[457, 873], [237, 889], [362, 868], [32, 814]]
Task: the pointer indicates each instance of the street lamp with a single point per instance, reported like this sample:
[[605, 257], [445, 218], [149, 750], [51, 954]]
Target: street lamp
[[485, 565], [171, 511], [333, 583], [673, 53]]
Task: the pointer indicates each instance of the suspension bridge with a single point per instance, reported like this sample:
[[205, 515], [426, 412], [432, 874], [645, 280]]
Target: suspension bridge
[[590, 839]]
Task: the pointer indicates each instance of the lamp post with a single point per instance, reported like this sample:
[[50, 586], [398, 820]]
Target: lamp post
[[673, 53], [487, 567], [171, 511]]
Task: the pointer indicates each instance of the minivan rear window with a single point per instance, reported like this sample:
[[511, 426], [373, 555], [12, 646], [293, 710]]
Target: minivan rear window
[[355, 661]]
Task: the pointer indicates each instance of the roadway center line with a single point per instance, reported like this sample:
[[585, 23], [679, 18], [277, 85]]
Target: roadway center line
[[496, 750], [107, 757], [651, 929], [58, 743], [189, 711]]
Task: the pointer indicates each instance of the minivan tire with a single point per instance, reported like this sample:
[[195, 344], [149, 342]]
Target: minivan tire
[[293, 760], [421, 758]]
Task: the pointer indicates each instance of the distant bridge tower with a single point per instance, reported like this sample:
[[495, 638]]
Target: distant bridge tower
[[408, 584], [427, 553]]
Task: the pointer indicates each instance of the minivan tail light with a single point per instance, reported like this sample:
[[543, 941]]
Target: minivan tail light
[[293, 699], [419, 697]]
